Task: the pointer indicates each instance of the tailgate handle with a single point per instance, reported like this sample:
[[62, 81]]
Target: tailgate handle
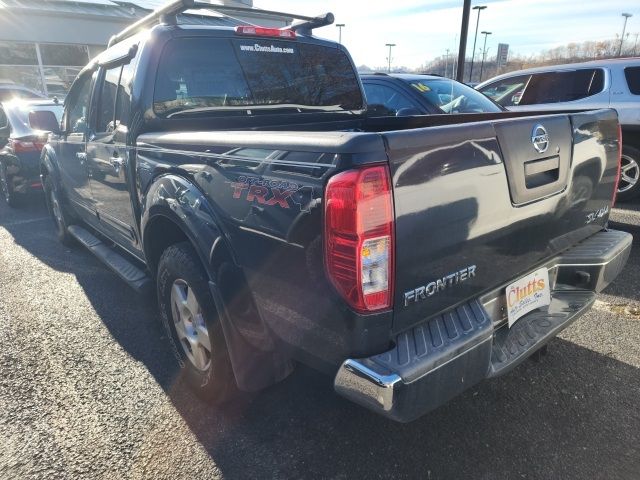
[[541, 172]]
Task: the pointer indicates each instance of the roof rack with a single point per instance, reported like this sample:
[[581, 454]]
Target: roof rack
[[167, 14]]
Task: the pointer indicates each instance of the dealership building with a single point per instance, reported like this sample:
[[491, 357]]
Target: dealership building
[[45, 43]]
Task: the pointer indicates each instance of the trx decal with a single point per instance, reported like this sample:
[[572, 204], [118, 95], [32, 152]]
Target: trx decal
[[273, 193]]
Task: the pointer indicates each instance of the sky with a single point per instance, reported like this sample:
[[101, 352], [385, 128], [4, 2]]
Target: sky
[[423, 30]]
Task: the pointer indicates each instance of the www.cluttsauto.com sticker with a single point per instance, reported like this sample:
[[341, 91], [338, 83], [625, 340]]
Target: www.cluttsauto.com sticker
[[527, 294]]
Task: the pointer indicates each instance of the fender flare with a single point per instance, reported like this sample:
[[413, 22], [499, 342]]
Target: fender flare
[[177, 199]]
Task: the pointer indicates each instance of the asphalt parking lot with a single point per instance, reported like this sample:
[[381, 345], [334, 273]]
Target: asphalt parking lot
[[88, 390]]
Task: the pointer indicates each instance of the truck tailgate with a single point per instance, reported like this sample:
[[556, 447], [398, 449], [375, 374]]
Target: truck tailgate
[[481, 204]]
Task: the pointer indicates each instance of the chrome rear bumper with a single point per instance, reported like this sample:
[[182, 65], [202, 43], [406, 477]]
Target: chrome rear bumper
[[447, 354]]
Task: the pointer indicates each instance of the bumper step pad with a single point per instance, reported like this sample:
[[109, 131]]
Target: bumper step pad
[[429, 365], [511, 346], [441, 339]]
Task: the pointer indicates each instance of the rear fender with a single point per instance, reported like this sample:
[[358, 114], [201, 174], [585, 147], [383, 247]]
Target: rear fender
[[174, 198], [177, 199]]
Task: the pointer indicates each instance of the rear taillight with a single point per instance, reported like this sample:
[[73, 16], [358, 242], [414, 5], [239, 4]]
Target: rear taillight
[[617, 181], [26, 146], [359, 236], [265, 32]]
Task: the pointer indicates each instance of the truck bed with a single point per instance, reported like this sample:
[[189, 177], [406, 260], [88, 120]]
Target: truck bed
[[470, 193]]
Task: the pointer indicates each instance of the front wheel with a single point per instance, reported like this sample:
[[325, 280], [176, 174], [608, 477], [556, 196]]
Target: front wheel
[[191, 320], [629, 183]]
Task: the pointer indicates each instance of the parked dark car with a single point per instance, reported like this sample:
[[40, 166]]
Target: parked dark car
[[411, 94], [9, 91], [24, 127]]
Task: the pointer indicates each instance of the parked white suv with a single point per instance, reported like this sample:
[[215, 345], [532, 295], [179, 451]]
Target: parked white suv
[[611, 83]]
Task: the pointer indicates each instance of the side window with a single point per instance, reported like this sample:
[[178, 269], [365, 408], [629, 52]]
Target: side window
[[391, 99], [3, 118], [507, 92], [105, 119], [123, 102], [555, 87], [115, 98], [78, 106], [632, 74]]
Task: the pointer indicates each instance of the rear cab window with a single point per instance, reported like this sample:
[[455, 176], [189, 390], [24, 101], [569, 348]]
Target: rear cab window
[[632, 74], [227, 76]]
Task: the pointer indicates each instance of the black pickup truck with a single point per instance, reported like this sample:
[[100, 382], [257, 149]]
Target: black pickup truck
[[235, 172]]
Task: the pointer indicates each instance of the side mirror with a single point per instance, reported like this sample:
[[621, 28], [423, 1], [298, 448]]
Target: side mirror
[[5, 132], [408, 111], [44, 120]]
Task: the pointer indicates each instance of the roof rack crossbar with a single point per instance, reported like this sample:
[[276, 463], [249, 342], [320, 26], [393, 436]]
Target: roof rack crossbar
[[168, 14]]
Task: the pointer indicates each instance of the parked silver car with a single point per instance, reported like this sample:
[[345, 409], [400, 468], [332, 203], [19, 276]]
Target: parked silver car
[[613, 83]]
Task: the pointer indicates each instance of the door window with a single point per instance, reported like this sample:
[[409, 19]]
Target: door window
[[115, 99], [123, 101], [78, 105], [632, 75], [105, 119], [556, 87], [389, 98], [508, 91]]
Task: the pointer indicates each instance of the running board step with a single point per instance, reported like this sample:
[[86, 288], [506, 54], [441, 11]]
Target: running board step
[[136, 278]]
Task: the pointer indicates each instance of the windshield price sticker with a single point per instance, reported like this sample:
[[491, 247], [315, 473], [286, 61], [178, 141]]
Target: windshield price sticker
[[527, 294]]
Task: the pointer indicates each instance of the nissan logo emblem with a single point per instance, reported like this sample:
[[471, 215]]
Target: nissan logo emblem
[[540, 138]]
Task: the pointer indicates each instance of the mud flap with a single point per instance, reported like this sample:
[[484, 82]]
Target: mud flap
[[253, 369]]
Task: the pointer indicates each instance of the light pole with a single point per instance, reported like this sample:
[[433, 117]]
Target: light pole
[[473, 54], [454, 59], [484, 52], [390, 45], [446, 63], [340, 25], [624, 27], [462, 47]]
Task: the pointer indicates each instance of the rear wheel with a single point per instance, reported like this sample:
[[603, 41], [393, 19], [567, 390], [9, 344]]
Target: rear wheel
[[629, 183], [191, 320], [58, 210]]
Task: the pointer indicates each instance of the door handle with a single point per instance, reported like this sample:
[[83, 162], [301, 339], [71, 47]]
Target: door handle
[[82, 156], [116, 163]]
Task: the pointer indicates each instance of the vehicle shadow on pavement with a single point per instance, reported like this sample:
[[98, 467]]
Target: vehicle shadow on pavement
[[573, 415]]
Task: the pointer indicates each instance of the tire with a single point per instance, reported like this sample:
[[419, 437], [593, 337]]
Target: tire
[[58, 211], [10, 197], [190, 318], [629, 184]]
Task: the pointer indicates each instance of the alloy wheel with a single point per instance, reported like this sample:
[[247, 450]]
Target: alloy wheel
[[190, 325], [629, 173]]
